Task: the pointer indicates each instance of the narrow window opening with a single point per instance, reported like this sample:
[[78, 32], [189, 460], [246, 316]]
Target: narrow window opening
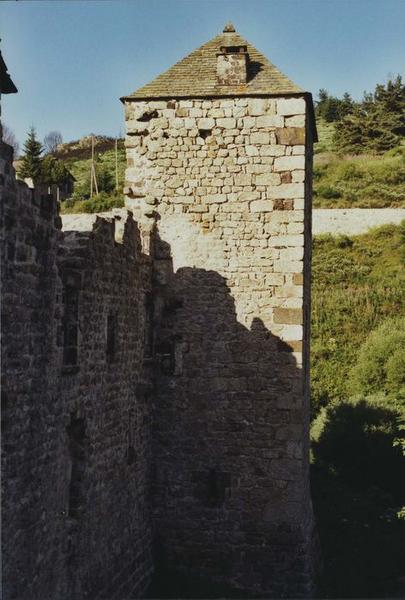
[[76, 431], [166, 353], [217, 486], [149, 315], [111, 337], [131, 455], [70, 326]]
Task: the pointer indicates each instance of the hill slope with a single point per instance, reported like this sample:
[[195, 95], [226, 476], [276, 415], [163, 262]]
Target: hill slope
[[362, 181], [356, 283]]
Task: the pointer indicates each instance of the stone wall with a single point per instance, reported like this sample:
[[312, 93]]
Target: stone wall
[[228, 184], [75, 404], [31, 510], [155, 381]]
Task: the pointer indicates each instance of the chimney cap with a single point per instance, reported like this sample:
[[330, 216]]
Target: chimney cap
[[229, 28]]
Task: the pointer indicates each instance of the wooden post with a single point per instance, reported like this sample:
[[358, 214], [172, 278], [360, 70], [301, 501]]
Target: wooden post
[[93, 177], [116, 164], [91, 167]]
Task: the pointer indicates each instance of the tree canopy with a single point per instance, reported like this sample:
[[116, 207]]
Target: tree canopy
[[375, 124], [31, 165], [53, 170]]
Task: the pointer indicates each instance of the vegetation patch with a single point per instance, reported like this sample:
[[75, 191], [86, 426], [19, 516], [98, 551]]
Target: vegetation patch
[[360, 181], [105, 168], [357, 283], [358, 410]]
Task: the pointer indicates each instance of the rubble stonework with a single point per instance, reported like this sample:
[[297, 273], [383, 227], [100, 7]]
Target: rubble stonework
[[155, 394], [75, 437], [227, 182]]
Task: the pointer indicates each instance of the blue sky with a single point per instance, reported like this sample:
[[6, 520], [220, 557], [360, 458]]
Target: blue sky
[[72, 60]]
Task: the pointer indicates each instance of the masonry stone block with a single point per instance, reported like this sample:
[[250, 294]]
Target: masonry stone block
[[290, 136], [287, 190], [268, 179], [289, 163], [259, 206], [291, 106], [297, 121]]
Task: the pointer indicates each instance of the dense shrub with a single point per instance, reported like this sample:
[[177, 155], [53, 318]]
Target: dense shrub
[[354, 438], [358, 492], [381, 362], [101, 203]]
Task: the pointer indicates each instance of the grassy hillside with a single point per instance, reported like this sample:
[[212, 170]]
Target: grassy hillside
[[362, 181], [77, 157], [105, 162], [357, 283], [357, 469], [325, 137]]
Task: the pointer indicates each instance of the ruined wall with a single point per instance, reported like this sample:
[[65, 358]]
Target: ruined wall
[[228, 184], [75, 405]]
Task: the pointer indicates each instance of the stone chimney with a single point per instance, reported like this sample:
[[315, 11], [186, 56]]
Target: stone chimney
[[232, 60]]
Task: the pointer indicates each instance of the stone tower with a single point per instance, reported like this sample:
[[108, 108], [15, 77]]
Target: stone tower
[[219, 160]]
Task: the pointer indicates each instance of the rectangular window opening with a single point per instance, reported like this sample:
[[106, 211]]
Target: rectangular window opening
[[70, 326]]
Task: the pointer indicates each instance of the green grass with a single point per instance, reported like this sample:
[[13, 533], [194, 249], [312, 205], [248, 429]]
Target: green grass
[[80, 169], [325, 137], [101, 203], [105, 171], [359, 182], [357, 283], [357, 467], [364, 181]]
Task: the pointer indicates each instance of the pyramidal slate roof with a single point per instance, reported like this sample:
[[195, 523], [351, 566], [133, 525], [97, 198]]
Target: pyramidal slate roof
[[196, 74]]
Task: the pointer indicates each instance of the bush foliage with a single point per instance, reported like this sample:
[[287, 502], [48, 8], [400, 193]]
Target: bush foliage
[[360, 182], [357, 283], [358, 428], [359, 493], [380, 365], [101, 202]]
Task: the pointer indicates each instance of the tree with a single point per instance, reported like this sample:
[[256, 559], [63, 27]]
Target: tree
[[105, 178], [52, 141], [332, 108], [31, 162], [377, 123], [53, 170], [10, 139]]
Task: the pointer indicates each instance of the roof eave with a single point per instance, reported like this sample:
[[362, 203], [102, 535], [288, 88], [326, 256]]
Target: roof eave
[[249, 94]]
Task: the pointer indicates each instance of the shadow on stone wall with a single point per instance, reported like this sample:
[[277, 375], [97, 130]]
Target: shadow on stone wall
[[228, 490], [232, 510]]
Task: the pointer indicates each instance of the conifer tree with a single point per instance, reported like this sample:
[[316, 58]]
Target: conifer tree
[[31, 161], [376, 124]]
